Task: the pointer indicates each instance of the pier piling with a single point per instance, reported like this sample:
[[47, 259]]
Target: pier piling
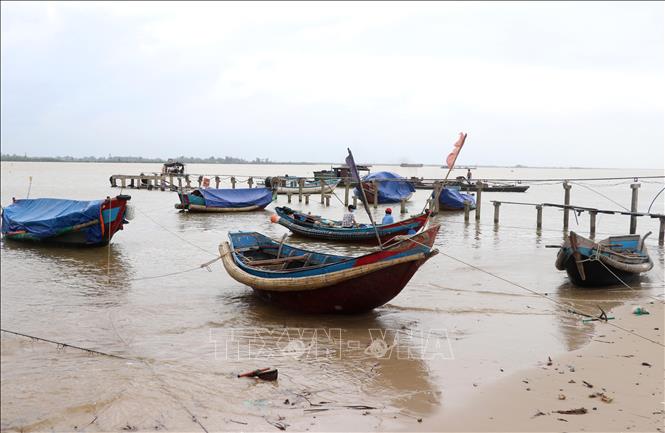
[[467, 210], [497, 205], [592, 223], [633, 207], [375, 185], [306, 198], [233, 182], [346, 191], [355, 201], [402, 206], [250, 181], [479, 189], [288, 197], [661, 232], [566, 202], [539, 217], [327, 200], [301, 184]]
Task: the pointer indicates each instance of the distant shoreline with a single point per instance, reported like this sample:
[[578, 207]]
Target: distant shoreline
[[266, 161]]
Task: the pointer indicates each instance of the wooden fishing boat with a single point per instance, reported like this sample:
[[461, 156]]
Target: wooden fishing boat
[[392, 188], [608, 262], [292, 185], [225, 200], [71, 222], [314, 226], [340, 172], [464, 185], [314, 282], [452, 199]]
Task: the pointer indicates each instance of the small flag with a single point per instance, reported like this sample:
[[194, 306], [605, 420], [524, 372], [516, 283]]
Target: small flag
[[452, 157]]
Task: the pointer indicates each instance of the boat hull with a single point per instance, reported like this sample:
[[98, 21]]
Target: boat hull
[[353, 296], [364, 234], [596, 275]]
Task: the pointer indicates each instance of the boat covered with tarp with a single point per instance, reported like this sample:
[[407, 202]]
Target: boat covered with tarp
[[392, 188], [225, 200], [612, 261], [316, 282], [73, 222], [314, 226], [452, 199]]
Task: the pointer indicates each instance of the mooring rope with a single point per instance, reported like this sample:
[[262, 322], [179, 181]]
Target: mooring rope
[[194, 418], [175, 234], [563, 304], [205, 265], [59, 344], [600, 194]]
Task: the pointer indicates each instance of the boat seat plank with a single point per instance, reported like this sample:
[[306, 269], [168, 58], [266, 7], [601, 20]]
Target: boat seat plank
[[277, 261]]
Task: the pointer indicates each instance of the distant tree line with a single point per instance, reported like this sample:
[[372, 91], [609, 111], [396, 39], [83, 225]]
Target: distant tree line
[[138, 159]]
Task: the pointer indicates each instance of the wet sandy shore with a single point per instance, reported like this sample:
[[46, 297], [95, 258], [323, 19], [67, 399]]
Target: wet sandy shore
[[613, 384]]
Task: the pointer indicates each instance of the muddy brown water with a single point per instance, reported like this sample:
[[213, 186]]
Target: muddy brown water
[[189, 334]]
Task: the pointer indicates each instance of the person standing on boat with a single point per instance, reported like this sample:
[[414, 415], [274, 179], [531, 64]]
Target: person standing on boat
[[349, 219], [388, 217]]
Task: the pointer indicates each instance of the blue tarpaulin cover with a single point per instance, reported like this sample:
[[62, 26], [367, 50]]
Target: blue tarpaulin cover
[[48, 217], [451, 198], [233, 198], [391, 191]]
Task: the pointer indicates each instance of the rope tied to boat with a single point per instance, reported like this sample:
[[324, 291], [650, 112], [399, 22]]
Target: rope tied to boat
[[205, 266], [563, 304]]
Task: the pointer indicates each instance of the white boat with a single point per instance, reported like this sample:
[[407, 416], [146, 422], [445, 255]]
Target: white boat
[[292, 185]]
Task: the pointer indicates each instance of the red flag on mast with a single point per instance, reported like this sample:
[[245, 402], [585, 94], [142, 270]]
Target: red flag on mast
[[452, 157]]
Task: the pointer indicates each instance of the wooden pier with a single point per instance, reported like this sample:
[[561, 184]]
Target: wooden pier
[[187, 182]]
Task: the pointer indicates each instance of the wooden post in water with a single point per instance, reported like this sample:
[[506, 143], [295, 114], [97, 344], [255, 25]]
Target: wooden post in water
[[301, 184], [633, 207], [497, 205], [306, 198], [187, 181], [233, 182], [327, 200], [250, 181], [171, 182], [402, 206], [566, 201], [323, 190], [288, 197], [592, 223], [346, 191], [467, 210], [355, 201], [375, 185], [435, 198], [479, 190], [661, 231], [217, 180], [122, 182], [162, 182], [539, 217], [180, 183]]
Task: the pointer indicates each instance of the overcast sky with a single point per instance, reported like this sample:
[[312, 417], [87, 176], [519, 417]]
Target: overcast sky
[[554, 84]]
